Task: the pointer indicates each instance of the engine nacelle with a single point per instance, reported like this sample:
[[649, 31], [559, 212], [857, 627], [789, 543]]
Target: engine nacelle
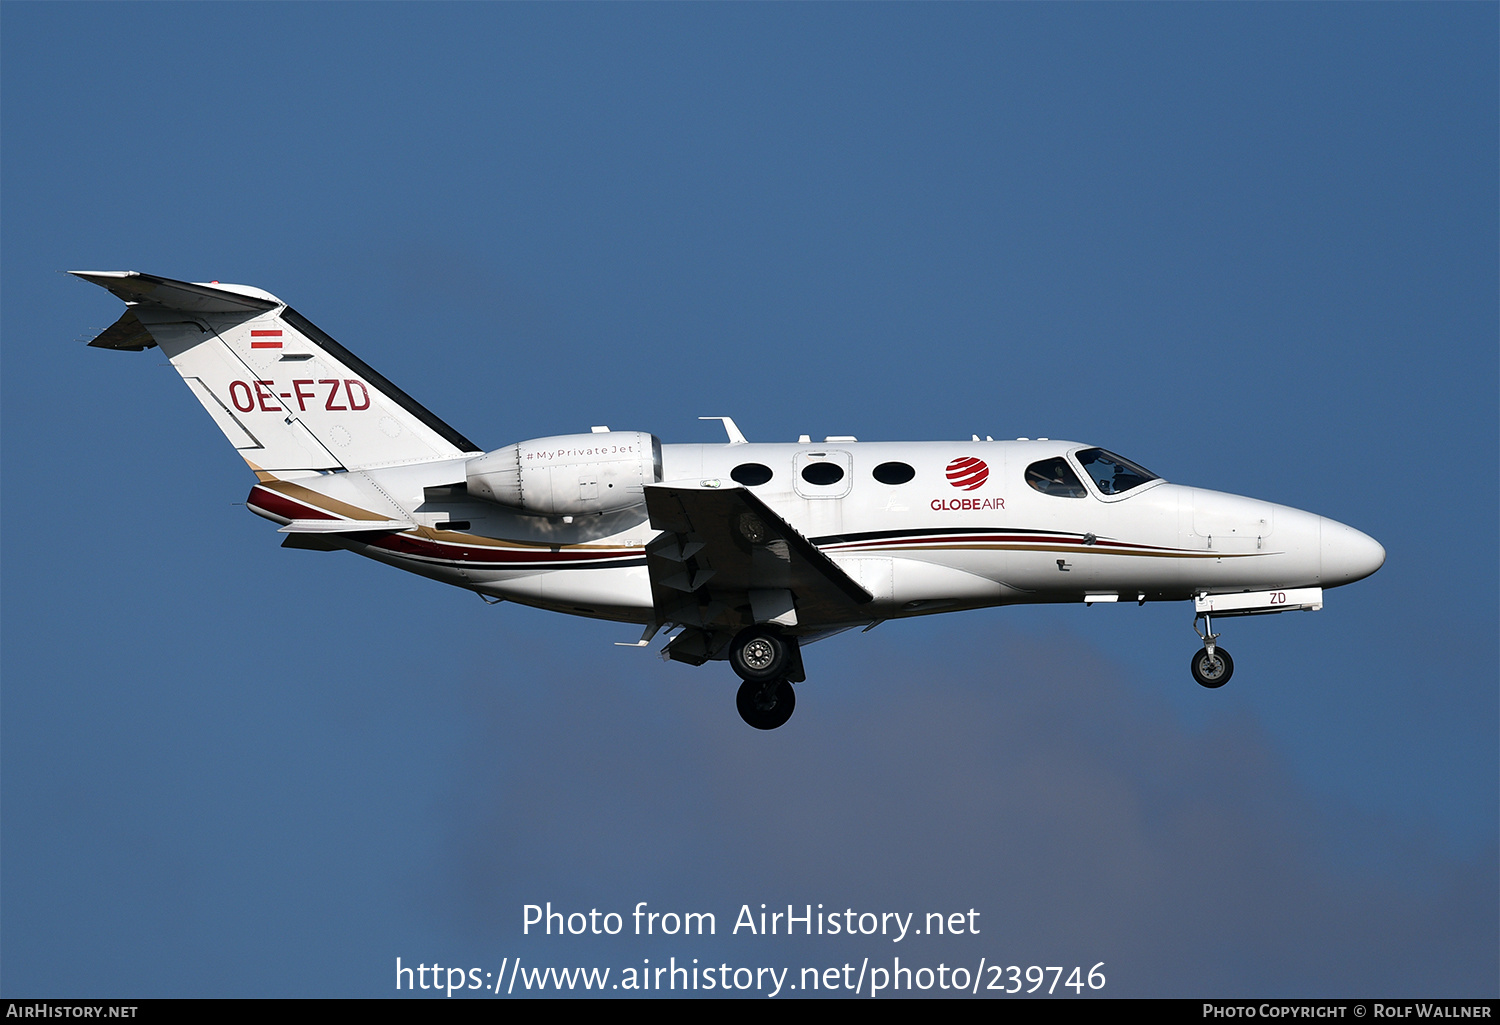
[[571, 475]]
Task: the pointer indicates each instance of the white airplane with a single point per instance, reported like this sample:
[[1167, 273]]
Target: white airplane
[[741, 551]]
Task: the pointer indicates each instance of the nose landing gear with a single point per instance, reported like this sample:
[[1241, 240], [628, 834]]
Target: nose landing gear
[[1212, 667]]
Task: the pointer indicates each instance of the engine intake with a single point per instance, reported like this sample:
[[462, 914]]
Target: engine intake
[[570, 475]]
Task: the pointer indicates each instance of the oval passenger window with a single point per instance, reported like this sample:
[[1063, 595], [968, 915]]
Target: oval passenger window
[[751, 474], [823, 473], [894, 473]]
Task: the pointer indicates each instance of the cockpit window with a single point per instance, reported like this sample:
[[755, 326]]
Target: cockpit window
[[1114, 474], [1055, 477]]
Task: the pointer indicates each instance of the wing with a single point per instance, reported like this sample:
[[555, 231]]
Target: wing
[[725, 561]]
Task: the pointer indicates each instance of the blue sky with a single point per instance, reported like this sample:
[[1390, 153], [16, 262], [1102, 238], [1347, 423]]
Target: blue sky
[[1252, 247]]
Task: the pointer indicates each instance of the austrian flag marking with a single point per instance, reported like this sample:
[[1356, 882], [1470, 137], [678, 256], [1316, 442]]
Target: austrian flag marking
[[265, 339], [968, 473]]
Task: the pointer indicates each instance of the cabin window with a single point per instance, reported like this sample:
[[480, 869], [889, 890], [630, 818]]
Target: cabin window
[[822, 474], [1055, 477], [751, 474], [894, 473], [1113, 474]]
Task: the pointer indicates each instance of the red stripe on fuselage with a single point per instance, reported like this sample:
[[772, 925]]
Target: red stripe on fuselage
[[406, 544], [411, 544], [280, 505], [990, 539]]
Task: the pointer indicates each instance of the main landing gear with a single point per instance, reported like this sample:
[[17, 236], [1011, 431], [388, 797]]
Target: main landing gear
[[1212, 667], [766, 705], [768, 662]]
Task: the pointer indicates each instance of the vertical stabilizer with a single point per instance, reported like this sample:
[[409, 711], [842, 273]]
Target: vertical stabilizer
[[287, 396]]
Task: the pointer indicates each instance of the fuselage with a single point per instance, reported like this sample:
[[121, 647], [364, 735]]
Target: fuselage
[[742, 552], [923, 526]]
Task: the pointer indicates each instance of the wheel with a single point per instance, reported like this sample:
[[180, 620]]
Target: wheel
[[766, 705], [758, 655], [1212, 670]]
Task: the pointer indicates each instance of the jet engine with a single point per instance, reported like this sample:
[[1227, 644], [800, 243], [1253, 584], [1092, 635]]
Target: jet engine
[[570, 475]]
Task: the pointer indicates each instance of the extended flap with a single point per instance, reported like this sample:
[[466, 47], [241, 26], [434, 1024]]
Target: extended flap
[[727, 560]]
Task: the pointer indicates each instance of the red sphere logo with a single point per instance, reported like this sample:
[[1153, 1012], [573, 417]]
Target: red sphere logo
[[968, 473]]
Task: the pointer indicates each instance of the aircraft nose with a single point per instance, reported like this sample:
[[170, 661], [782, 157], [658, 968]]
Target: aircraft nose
[[1348, 555]]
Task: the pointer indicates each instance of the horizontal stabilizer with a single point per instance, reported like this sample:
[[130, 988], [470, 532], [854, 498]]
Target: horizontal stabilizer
[[342, 526], [187, 296], [127, 333]]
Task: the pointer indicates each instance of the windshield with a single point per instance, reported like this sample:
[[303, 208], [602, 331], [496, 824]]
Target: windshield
[[1113, 474]]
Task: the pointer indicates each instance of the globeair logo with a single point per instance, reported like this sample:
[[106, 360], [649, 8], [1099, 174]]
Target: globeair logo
[[968, 473]]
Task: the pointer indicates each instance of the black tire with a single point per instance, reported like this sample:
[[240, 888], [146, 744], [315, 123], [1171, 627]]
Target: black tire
[[1212, 672], [766, 705], [758, 655]]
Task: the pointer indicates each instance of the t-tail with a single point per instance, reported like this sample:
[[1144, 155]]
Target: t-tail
[[289, 398]]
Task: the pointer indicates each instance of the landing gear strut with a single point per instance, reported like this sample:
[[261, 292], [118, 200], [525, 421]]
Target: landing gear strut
[[1212, 667]]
